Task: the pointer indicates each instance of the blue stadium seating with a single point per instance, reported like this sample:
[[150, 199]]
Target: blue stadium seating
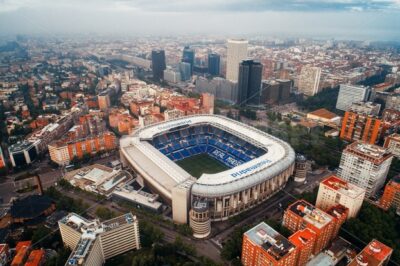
[[223, 146]]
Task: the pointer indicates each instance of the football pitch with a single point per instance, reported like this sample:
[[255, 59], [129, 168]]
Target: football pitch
[[200, 164]]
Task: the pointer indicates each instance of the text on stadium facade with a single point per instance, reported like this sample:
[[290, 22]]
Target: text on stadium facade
[[249, 169]]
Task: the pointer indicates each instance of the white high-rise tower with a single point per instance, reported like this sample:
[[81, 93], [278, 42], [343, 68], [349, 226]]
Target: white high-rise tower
[[237, 52]]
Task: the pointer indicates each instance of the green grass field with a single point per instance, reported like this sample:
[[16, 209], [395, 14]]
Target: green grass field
[[200, 164]]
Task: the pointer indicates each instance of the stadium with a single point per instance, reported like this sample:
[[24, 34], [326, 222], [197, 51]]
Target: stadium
[[212, 159]]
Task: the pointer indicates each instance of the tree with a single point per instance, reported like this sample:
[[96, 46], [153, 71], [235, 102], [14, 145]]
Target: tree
[[104, 213], [233, 247], [42, 236], [149, 234], [374, 223]]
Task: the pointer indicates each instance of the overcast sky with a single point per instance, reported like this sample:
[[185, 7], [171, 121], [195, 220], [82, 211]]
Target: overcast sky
[[351, 19]]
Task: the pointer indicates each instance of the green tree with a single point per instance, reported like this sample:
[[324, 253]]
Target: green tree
[[149, 234], [104, 213]]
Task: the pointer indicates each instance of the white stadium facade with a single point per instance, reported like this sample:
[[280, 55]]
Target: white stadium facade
[[258, 165]]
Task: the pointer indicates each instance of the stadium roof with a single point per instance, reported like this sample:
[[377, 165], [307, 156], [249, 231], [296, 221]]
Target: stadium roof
[[164, 174]]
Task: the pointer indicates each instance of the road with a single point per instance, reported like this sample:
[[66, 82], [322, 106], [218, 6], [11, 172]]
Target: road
[[270, 208], [204, 247], [48, 175]]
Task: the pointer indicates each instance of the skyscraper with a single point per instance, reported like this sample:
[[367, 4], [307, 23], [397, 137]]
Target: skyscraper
[[236, 53], [309, 80], [349, 94], [158, 64], [249, 85], [213, 64], [185, 70], [188, 57]]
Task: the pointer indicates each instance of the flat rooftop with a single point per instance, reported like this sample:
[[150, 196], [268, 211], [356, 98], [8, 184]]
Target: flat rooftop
[[343, 187], [310, 213], [89, 231], [20, 146], [372, 255], [270, 240], [368, 151]]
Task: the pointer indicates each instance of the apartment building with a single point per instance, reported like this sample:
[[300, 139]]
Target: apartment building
[[63, 151], [392, 143], [334, 190], [391, 195], [374, 254], [301, 215], [365, 165], [262, 245]]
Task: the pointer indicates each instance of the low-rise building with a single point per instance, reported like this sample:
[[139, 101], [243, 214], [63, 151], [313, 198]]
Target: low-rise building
[[98, 178], [325, 117]]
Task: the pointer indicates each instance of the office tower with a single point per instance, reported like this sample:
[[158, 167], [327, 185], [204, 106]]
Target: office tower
[[365, 165], [262, 245], [392, 143], [104, 100], [309, 80], [185, 71], [349, 94], [374, 254], [213, 64], [301, 215], [158, 64], [188, 57], [93, 242], [304, 241], [172, 76], [23, 153], [334, 190], [360, 126], [275, 91], [284, 90], [249, 85], [236, 53], [222, 89], [391, 195]]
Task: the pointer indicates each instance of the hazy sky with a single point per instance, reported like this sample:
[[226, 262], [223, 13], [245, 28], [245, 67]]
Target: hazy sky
[[354, 19]]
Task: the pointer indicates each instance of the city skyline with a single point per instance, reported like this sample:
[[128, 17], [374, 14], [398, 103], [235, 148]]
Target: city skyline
[[352, 19]]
